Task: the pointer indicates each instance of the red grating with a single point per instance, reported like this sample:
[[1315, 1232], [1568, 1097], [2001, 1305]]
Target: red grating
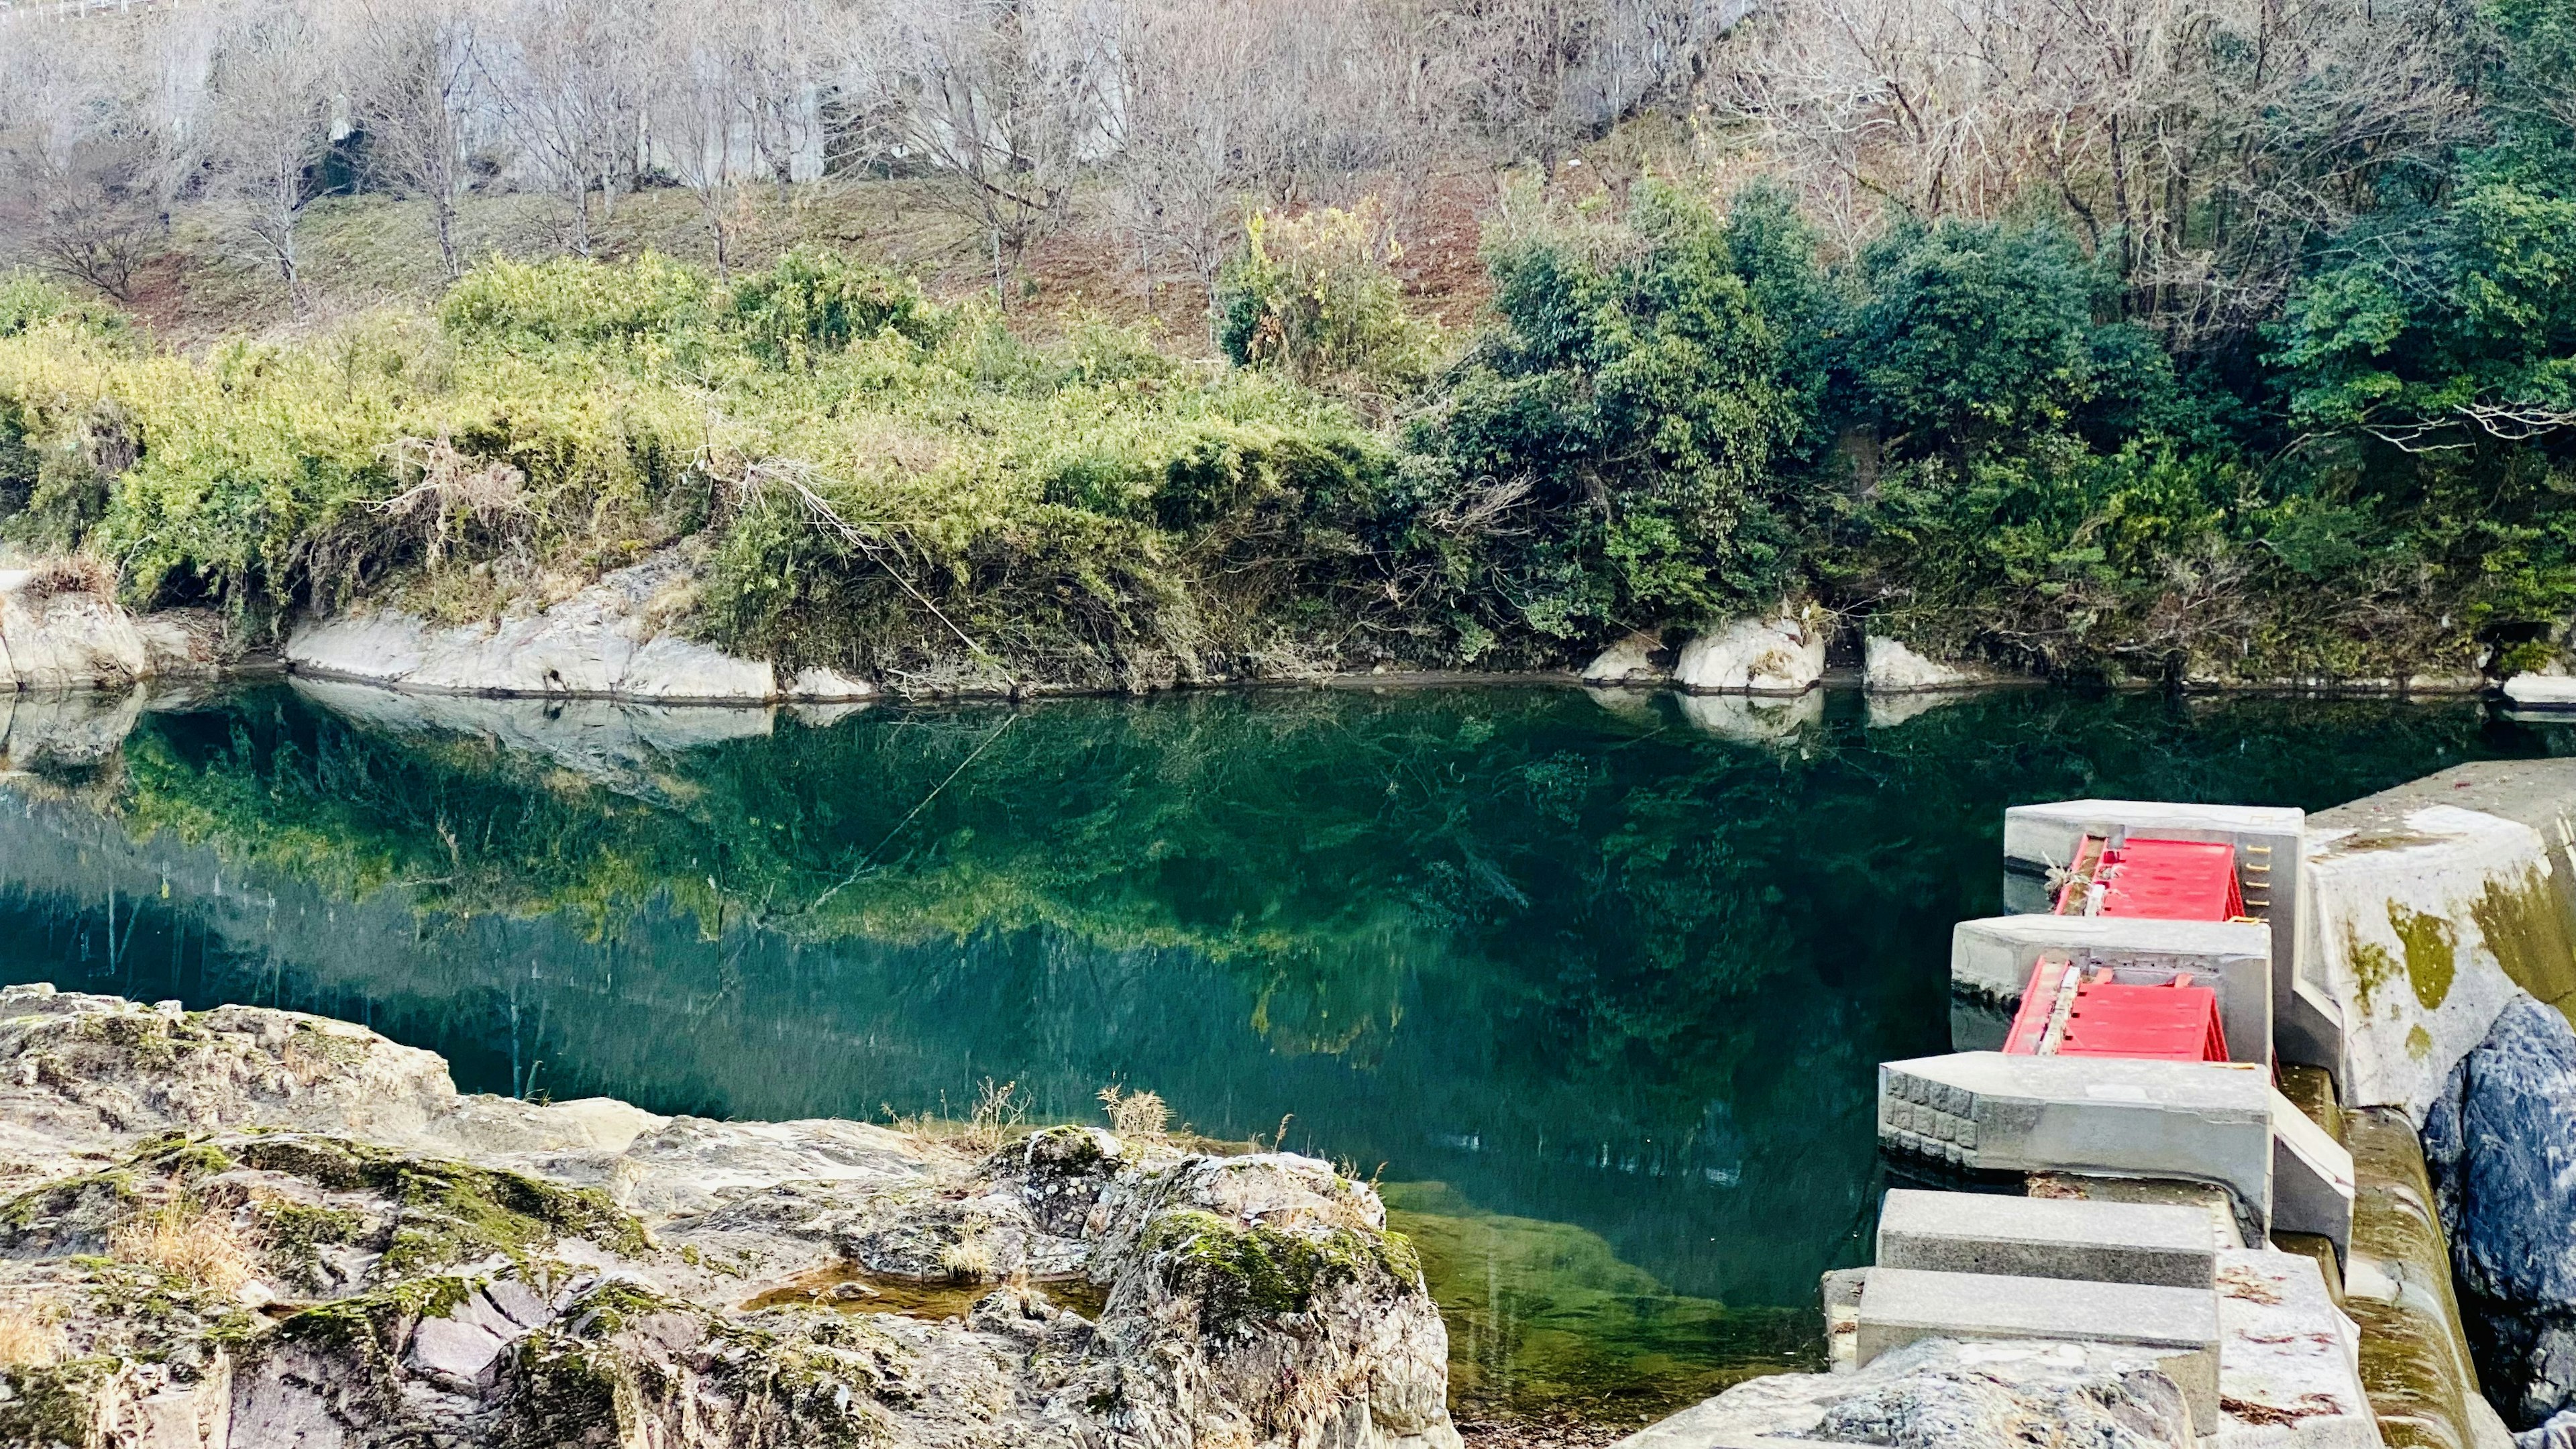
[[2101, 1017], [2170, 880]]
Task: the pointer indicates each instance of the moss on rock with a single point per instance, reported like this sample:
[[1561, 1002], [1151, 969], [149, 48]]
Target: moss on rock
[[1242, 1274]]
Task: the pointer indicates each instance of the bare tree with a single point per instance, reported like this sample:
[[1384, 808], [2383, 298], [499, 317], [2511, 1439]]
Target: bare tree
[[416, 79], [1006, 98], [739, 103], [77, 161], [267, 127], [572, 81]]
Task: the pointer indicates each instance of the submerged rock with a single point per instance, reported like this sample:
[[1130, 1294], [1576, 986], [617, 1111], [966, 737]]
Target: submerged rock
[[1944, 1394], [1781, 654], [2501, 1145], [612, 640], [244, 1228]]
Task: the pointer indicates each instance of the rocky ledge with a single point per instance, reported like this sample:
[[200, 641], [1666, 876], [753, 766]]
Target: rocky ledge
[[246, 1228]]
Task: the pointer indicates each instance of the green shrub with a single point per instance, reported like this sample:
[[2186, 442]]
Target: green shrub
[[1314, 296], [814, 302]]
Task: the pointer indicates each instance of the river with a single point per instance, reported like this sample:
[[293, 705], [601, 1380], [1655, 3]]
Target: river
[[1593, 985]]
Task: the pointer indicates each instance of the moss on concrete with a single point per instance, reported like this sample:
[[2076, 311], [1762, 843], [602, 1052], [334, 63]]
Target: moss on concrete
[[2414, 1363], [2432, 953], [2526, 924]]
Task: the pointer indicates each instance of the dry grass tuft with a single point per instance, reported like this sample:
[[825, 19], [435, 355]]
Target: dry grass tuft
[[187, 1242], [31, 1335], [997, 1117], [71, 573], [1136, 1114]]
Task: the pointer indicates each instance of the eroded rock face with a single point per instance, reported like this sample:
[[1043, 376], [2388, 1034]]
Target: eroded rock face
[[1781, 654], [612, 640], [2501, 1145], [252, 1228], [65, 639], [1889, 666], [1943, 1394]]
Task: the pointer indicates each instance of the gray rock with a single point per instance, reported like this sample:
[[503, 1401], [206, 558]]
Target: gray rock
[[2501, 1146], [1942, 1394]]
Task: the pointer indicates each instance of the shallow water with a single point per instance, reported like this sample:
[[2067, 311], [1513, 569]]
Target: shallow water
[[1592, 985]]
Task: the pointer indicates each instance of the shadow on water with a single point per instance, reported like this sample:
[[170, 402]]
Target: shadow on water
[[1592, 984]]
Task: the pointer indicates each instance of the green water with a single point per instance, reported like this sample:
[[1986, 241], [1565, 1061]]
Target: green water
[[1593, 986]]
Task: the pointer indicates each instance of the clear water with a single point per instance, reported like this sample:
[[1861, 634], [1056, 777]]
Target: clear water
[[1592, 985]]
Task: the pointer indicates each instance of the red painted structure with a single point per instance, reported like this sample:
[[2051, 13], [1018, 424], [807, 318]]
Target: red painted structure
[[2081, 1009]]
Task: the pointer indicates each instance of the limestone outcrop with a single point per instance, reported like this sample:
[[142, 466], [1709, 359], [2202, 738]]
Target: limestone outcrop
[[1781, 653], [2501, 1146], [1639, 659], [58, 637], [1889, 666], [245, 1228], [612, 640]]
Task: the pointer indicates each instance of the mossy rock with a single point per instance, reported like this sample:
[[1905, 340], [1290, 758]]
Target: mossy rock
[[1242, 1276], [70, 1216], [449, 1212], [52, 1406]]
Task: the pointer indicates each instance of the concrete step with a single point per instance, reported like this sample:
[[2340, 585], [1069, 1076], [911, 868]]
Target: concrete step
[[2028, 1237], [2179, 1325]]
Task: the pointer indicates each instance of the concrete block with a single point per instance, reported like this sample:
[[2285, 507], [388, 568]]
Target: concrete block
[[1991, 959], [1985, 1111], [2039, 836], [2312, 1181], [1904, 1305], [2435, 901], [2030, 1237], [2288, 1360]]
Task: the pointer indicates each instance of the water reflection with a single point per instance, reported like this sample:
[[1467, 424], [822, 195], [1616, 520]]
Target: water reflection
[[1593, 983]]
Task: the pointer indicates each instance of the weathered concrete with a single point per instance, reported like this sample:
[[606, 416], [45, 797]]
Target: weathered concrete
[[2204, 1122], [1991, 961], [1953, 1395], [2267, 840], [2028, 1237], [2288, 1359], [2312, 1178], [1905, 1305], [1783, 653]]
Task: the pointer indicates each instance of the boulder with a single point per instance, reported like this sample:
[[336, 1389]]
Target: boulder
[[611, 640], [2500, 1143], [1890, 667], [1946, 1394], [1641, 658], [1783, 653], [58, 638]]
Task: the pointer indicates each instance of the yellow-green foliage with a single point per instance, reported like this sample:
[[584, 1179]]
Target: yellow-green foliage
[[1079, 500]]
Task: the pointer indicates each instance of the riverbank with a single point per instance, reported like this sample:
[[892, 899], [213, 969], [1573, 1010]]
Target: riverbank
[[252, 1224]]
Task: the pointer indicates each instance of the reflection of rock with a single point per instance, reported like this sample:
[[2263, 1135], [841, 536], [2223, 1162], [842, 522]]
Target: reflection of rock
[[1751, 718], [64, 729], [1887, 711], [1889, 667], [1638, 659], [64, 638], [1781, 654], [617, 743], [1627, 704], [2501, 1146], [1986, 1395], [612, 640], [484, 1271]]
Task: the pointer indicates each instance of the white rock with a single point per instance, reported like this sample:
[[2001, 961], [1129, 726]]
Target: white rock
[[1781, 654], [1890, 667], [610, 640], [65, 640], [2541, 691], [1630, 661], [828, 686]]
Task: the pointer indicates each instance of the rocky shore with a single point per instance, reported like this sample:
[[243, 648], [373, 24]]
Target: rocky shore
[[246, 1228]]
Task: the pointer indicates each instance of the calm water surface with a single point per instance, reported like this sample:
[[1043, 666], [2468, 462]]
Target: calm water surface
[[1593, 985]]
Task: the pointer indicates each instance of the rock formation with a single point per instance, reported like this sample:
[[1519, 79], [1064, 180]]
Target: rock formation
[[244, 1228], [612, 640], [2501, 1144], [1890, 667], [1783, 653]]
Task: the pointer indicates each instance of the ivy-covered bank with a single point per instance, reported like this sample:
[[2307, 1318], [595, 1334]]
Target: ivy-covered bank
[[1677, 411]]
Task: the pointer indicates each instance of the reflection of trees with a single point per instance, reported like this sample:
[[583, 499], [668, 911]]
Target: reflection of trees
[[1589, 967]]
